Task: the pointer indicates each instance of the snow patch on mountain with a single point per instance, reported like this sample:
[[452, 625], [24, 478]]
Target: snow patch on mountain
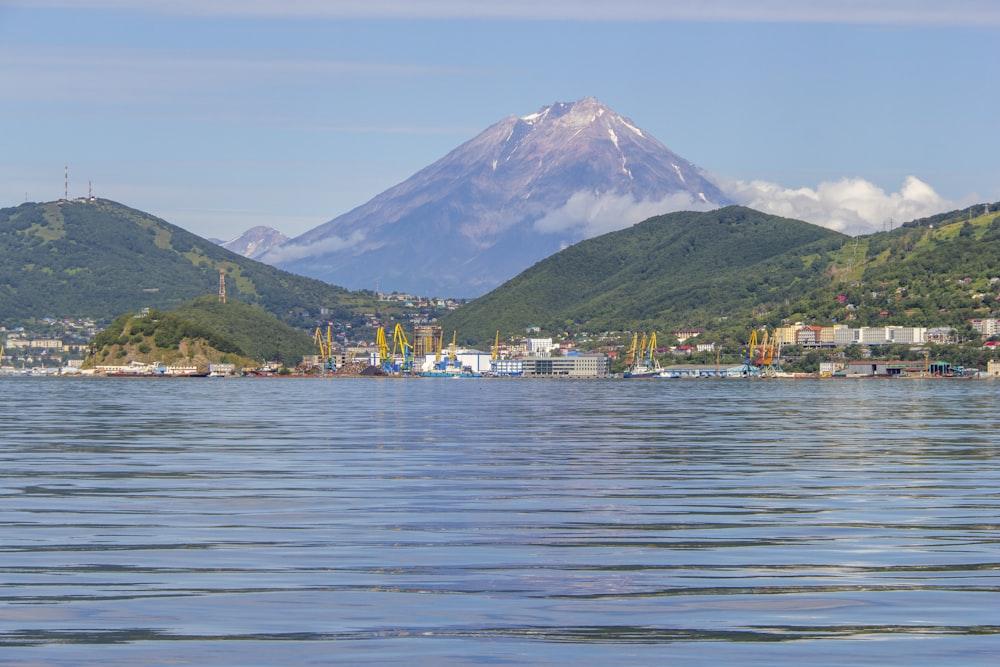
[[255, 242]]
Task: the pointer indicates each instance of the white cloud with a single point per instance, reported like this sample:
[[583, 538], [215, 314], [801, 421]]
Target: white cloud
[[850, 205], [887, 12], [586, 215], [289, 252]]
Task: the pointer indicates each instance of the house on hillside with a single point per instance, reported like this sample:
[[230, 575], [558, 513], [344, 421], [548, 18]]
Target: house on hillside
[[683, 334]]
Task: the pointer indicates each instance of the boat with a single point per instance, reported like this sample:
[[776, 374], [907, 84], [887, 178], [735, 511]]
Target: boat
[[455, 372]]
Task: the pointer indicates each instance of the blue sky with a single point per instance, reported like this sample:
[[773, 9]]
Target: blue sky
[[219, 115]]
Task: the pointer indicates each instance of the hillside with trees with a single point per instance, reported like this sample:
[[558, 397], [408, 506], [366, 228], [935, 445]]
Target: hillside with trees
[[97, 258], [681, 269], [199, 333], [734, 269]]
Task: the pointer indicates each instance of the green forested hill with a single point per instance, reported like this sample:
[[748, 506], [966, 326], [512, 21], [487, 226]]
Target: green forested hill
[[733, 269], [99, 259], [200, 332], [257, 334], [680, 269]]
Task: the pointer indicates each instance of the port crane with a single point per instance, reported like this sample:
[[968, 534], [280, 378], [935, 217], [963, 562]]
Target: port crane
[[641, 360], [325, 345], [630, 356], [384, 356], [761, 355], [649, 350], [452, 357], [400, 343]]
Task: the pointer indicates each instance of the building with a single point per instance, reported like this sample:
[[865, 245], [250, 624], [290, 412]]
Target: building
[[577, 365], [471, 360], [897, 368], [35, 344], [808, 335], [843, 336], [905, 335], [540, 346], [683, 334], [507, 367], [988, 327], [426, 340]]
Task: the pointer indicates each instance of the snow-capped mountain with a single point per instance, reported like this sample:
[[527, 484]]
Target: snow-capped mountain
[[255, 241], [520, 191]]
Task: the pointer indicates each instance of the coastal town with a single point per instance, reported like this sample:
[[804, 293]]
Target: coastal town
[[60, 347]]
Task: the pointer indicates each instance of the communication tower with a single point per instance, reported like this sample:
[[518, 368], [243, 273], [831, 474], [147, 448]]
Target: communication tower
[[222, 285]]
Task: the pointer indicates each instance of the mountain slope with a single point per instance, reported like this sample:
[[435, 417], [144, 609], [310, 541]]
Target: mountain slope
[[681, 269], [99, 259], [518, 192]]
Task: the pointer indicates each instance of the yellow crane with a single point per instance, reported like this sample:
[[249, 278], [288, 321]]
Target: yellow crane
[[325, 344], [384, 359], [630, 356], [400, 343], [496, 347], [762, 354], [651, 348]]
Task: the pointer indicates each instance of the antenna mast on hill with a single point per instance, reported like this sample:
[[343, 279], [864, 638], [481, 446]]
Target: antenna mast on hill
[[222, 285], [66, 182]]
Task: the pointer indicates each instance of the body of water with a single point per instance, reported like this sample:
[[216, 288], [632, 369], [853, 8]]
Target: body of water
[[503, 522]]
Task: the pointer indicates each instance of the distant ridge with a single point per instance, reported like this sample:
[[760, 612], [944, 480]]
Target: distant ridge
[[255, 242], [518, 192]]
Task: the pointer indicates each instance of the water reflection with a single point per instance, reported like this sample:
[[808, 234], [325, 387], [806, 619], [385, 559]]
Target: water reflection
[[522, 522]]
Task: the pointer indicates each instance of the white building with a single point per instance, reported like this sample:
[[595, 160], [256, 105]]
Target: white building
[[844, 336], [905, 335], [891, 334], [540, 347], [988, 327]]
